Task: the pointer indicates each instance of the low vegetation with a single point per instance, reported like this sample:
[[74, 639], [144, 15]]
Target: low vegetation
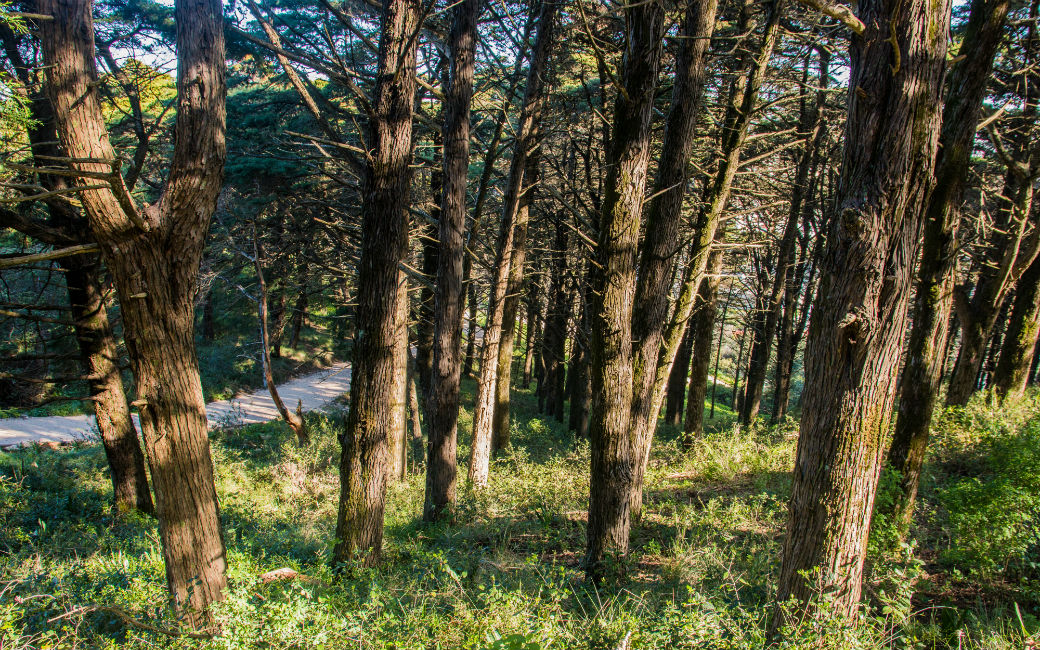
[[506, 573]]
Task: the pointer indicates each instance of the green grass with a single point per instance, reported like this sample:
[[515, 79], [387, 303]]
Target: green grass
[[506, 572]]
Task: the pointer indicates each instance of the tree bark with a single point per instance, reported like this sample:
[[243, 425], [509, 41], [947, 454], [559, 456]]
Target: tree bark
[[533, 328], [929, 333], [859, 318], [613, 286], [443, 402], [384, 242], [526, 141], [551, 387], [1016, 355], [154, 256]]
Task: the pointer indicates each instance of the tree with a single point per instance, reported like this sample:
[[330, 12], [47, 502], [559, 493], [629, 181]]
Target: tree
[[859, 317], [153, 255], [443, 402], [384, 238]]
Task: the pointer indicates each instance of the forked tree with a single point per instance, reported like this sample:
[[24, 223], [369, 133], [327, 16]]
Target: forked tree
[[153, 253]]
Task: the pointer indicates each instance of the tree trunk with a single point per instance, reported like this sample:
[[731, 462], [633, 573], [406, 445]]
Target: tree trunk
[[1016, 357], [294, 420], [97, 345], [398, 445], [299, 314], [153, 256], [554, 340], [859, 318], [526, 140], [929, 333], [657, 337], [578, 375], [703, 333], [531, 335], [613, 287], [471, 329], [503, 380], [678, 378], [443, 402], [384, 242]]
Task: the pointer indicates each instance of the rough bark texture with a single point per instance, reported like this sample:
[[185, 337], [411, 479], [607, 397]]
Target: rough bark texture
[[552, 387], [677, 379], [443, 401], [1016, 355], [859, 318], [526, 140], [384, 241], [398, 447], [153, 256], [94, 335], [613, 287], [929, 333]]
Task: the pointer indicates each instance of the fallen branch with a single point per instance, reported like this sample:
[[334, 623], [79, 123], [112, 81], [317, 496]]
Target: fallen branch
[[130, 621]]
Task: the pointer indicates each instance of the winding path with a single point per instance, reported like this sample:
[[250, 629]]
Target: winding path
[[314, 391]]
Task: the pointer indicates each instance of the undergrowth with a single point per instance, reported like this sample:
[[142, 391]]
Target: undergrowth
[[506, 573]]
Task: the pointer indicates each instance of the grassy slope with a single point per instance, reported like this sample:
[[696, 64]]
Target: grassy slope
[[505, 574]]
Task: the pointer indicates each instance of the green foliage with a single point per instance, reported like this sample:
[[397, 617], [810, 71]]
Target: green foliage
[[504, 573]]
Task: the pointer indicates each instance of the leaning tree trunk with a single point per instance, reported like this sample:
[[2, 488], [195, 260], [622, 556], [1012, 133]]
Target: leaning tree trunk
[[294, 420], [613, 287], [384, 242], [929, 332], [859, 318], [94, 335], [526, 140], [153, 256], [1016, 355], [443, 400], [503, 379]]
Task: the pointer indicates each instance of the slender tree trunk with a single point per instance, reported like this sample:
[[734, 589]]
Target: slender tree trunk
[[503, 380], [678, 378], [929, 333], [578, 375], [737, 369], [471, 329], [154, 256], [299, 314], [444, 395], [398, 441], [613, 286], [97, 346], [703, 330], [384, 242], [416, 439], [533, 312], [1016, 357], [554, 341], [294, 420], [526, 141], [859, 318], [718, 353], [658, 340]]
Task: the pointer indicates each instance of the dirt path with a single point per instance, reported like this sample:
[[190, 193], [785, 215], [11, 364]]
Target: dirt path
[[314, 391]]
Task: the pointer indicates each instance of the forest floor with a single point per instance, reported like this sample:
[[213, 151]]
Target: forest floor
[[312, 391], [506, 572]]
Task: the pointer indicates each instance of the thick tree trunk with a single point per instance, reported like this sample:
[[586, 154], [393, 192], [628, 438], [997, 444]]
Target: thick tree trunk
[[929, 333], [613, 287], [1016, 355], [859, 318], [703, 329], [443, 401], [384, 242], [154, 256], [97, 346], [526, 141], [678, 378]]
